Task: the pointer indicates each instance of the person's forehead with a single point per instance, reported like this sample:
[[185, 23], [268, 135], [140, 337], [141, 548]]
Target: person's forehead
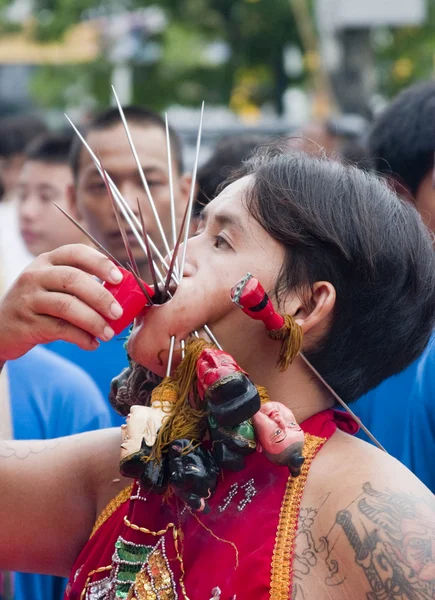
[[38, 169], [230, 202], [112, 144]]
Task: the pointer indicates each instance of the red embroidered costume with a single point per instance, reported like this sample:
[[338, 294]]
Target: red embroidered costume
[[144, 547]]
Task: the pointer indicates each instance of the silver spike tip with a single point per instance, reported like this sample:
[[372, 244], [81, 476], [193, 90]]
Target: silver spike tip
[[237, 290]]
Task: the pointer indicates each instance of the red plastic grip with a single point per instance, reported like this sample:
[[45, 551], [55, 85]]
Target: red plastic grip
[[130, 297], [249, 294]]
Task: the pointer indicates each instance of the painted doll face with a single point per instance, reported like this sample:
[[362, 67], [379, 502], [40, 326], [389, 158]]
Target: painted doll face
[[276, 428], [143, 422]]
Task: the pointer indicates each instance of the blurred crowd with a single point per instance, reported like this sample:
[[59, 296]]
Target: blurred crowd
[[59, 389]]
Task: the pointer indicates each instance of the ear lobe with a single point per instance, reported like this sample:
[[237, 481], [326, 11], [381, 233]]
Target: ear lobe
[[322, 300]]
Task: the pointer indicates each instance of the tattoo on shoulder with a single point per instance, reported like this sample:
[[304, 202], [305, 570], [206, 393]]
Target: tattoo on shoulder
[[22, 450], [392, 538]]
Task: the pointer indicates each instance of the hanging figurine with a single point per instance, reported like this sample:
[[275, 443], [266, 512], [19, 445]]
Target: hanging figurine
[[231, 396], [279, 436], [138, 436], [193, 473], [231, 444]]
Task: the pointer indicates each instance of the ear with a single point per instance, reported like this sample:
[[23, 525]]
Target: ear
[[315, 314], [72, 200]]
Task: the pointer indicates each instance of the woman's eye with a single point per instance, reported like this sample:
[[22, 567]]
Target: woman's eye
[[278, 432], [220, 242]]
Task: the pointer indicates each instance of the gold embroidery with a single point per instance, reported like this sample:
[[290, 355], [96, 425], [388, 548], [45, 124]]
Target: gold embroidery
[[115, 503], [288, 522], [176, 535], [155, 581]]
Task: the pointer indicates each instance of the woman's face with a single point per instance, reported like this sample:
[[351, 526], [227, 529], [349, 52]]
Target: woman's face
[[229, 243]]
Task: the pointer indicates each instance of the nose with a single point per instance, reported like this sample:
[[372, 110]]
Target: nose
[[131, 192], [190, 261], [28, 209]]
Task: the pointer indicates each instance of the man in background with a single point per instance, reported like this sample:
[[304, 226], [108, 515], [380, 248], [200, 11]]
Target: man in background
[[45, 178]]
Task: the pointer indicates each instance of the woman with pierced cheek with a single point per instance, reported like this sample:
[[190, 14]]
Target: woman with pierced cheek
[[335, 249]]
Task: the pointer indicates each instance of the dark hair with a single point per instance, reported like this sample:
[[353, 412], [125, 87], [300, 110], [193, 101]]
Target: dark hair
[[343, 225], [228, 155], [53, 148], [402, 141], [16, 133], [133, 114]]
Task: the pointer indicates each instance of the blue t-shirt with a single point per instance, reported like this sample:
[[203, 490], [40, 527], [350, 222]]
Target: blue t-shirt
[[102, 364], [400, 413], [50, 397]]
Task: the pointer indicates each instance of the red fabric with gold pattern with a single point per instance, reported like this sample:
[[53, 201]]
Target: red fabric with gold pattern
[[244, 511]]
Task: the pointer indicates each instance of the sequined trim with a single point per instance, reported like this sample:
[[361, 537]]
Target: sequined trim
[[113, 505], [281, 572]]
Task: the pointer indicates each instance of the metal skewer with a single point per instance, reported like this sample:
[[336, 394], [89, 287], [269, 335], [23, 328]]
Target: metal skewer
[[171, 191], [174, 254], [127, 212], [171, 354], [341, 402], [141, 173], [149, 255], [123, 205], [88, 235], [120, 223], [192, 191]]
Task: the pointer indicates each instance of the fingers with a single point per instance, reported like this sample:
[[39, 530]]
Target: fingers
[[55, 329], [86, 259], [71, 281], [67, 309]]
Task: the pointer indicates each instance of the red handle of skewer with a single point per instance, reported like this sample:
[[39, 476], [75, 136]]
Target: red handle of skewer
[[130, 297], [250, 295]]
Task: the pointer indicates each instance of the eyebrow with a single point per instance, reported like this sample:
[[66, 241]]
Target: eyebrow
[[224, 219], [92, 171]]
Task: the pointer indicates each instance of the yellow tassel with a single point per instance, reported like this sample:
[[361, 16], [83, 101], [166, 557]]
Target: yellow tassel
[[291, 337], [185, 374], [186, 420], [262, 392], [166, 391]]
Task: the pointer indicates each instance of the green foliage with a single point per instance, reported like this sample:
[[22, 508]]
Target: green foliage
[[255, 31], [406, 55]]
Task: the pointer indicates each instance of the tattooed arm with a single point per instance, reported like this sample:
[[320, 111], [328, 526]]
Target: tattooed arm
[[372, 539], [50, 493]]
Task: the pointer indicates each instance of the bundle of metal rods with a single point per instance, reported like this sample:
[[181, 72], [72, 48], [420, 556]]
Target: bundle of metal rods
[[174, 270]]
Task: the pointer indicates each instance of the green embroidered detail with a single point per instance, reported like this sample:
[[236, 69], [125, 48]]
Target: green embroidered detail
[[128, 560]]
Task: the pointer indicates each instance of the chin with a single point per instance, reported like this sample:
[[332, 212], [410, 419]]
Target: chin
[[148, 345]]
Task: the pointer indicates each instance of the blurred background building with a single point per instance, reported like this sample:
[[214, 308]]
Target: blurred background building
[[271, 65]]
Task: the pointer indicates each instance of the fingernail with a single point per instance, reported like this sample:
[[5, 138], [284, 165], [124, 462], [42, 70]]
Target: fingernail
[[94, 344], [115, 275], [108, 333], [115, 310]]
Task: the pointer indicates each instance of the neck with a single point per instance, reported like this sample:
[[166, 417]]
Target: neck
[[297, 388]]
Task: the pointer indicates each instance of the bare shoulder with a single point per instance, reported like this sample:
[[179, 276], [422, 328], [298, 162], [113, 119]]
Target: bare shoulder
[[366, 528]]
